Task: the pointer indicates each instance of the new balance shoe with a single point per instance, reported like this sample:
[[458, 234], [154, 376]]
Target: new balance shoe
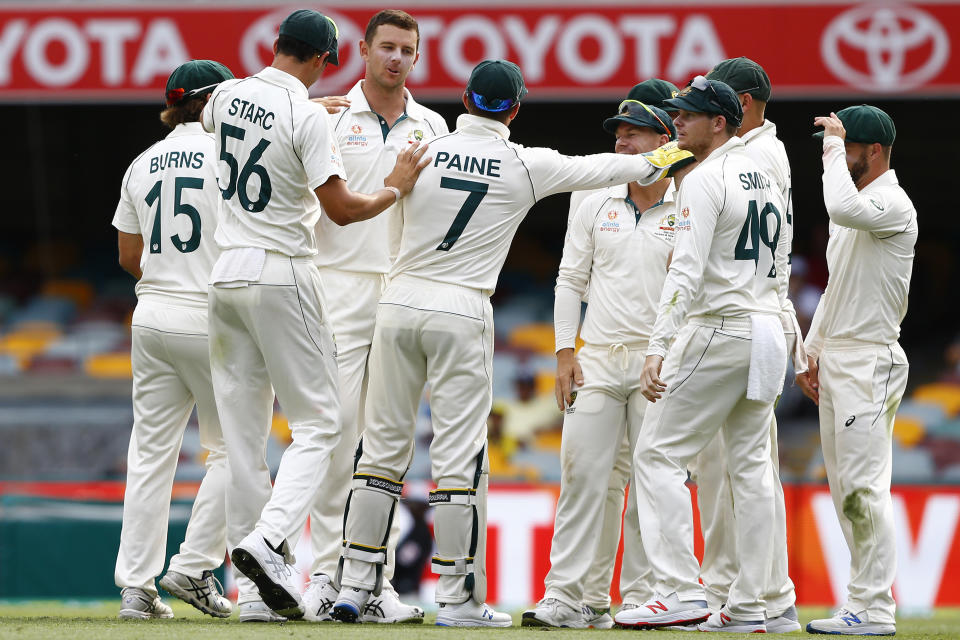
[[258, 611], [205, 594], [471, 614], [720, 621], [349, 605], [318, 599], [663, 611], [596, 618], [787, 622], [254, 558], [136, 604], [848, 623], [387, 609], [551, 612]]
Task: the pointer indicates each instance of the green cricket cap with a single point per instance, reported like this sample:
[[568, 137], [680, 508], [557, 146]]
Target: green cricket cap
[[653, 92], [496, 85], [315, 29], [709, 96], [867, 124], [744, 76], [637, 114], [194, 78]]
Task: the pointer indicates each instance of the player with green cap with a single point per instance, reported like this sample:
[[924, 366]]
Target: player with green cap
[[168, 212], [435, 324], [857, 369]]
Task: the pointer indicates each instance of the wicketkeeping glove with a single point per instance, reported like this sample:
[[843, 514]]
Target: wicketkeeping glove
[[670, 158]]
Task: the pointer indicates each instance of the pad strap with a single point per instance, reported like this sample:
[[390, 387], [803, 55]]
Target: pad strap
[[451, 567], [378, 483], [364, 553], [453, 496]]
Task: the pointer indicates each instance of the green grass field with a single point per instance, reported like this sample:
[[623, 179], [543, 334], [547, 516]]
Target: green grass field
[[77, 621]]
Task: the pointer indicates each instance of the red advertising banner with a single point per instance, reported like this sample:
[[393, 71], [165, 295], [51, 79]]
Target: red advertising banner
[[124, 51]]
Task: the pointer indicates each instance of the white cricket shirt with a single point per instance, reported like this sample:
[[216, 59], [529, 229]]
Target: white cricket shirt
[[369, 149], [460, 218], [869, 255], [624, 258], [730, 219], [171, 198], [274, 148]]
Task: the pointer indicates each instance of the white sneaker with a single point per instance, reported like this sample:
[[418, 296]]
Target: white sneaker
[[848, 623], [596, 618], [551, 612], [663, 611], [787, 622], [318, 599], [137, 605], [387, 609], [349, 605], [205, 594], [269, 570], [471, 614], [720, 621], [258, 611]]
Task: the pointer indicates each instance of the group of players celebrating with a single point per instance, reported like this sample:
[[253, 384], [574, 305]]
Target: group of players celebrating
[[287, 221]]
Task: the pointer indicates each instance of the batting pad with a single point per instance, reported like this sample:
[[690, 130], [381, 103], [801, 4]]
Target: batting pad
[[370, 509]]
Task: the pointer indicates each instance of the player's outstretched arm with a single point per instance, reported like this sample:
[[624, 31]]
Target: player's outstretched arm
[[344, 206], [130, 246]]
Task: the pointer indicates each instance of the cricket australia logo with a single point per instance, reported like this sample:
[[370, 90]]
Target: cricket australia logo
[[885, 46]]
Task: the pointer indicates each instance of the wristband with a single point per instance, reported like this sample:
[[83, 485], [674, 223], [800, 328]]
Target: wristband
[[395, 192]]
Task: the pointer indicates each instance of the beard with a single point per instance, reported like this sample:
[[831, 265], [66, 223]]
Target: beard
[[859, 168]]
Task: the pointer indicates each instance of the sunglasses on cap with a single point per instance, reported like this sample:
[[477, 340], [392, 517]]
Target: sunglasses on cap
[[178, 95], [633, 108], [495, 105]]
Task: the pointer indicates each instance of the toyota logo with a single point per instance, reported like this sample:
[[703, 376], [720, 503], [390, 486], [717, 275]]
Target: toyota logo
[[882, 39]]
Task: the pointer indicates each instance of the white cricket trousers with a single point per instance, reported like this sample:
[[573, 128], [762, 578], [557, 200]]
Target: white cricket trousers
[[861, 386], [351, 303], [272, 336], [715, 500], [602, 425], [171, 374], [706, 376], [441, 334]]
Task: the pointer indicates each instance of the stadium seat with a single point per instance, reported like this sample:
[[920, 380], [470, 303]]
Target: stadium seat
[[109, 365], [944, 394], [912, 465], [27, 341], [908, 431], [537, 337], [79, 291], [9, 366]]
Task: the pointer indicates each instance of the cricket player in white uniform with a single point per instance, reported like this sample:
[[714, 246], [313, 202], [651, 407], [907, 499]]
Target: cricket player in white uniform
[[434, 323], [721, 307], [858, 371], [620, 242], [720, 559], [381, 120], [170, 196], [268, 328]]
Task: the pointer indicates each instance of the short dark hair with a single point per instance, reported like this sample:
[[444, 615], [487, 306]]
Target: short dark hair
[[290, 46], [730, 129], [395, 17], [184, 111]]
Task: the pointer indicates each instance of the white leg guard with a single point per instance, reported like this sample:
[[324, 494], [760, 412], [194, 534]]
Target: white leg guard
[[460, 528], [367, 520]]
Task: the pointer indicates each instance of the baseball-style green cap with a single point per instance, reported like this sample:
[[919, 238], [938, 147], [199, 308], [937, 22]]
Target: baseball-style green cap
[[194, 78], [867, 124], [496, 85], [315, 29], [653, 92], [744, 76], [709, 96], [641, 114]]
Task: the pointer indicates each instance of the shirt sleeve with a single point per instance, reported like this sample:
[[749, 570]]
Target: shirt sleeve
[[814, 341], [552, 172], [698, 193], [125, 217], [573, 276], [848, 207], [316, 144]]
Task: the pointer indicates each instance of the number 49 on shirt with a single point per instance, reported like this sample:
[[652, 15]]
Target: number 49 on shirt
[[755, 232]]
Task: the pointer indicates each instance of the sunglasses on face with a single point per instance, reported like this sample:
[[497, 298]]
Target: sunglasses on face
[[636, 108]]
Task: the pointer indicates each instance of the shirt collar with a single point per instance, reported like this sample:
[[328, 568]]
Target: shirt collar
[[186, 129], [765, 129], [621, 191], [359, 104], [283, 79], [729, 145], [478, 125], [886, 179]]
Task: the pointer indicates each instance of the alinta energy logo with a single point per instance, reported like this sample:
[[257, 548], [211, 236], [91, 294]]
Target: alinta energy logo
[[887, 47], [256, 48]]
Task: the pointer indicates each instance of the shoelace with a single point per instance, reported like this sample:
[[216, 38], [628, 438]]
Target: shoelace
[[213, 583], [624, 357]]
